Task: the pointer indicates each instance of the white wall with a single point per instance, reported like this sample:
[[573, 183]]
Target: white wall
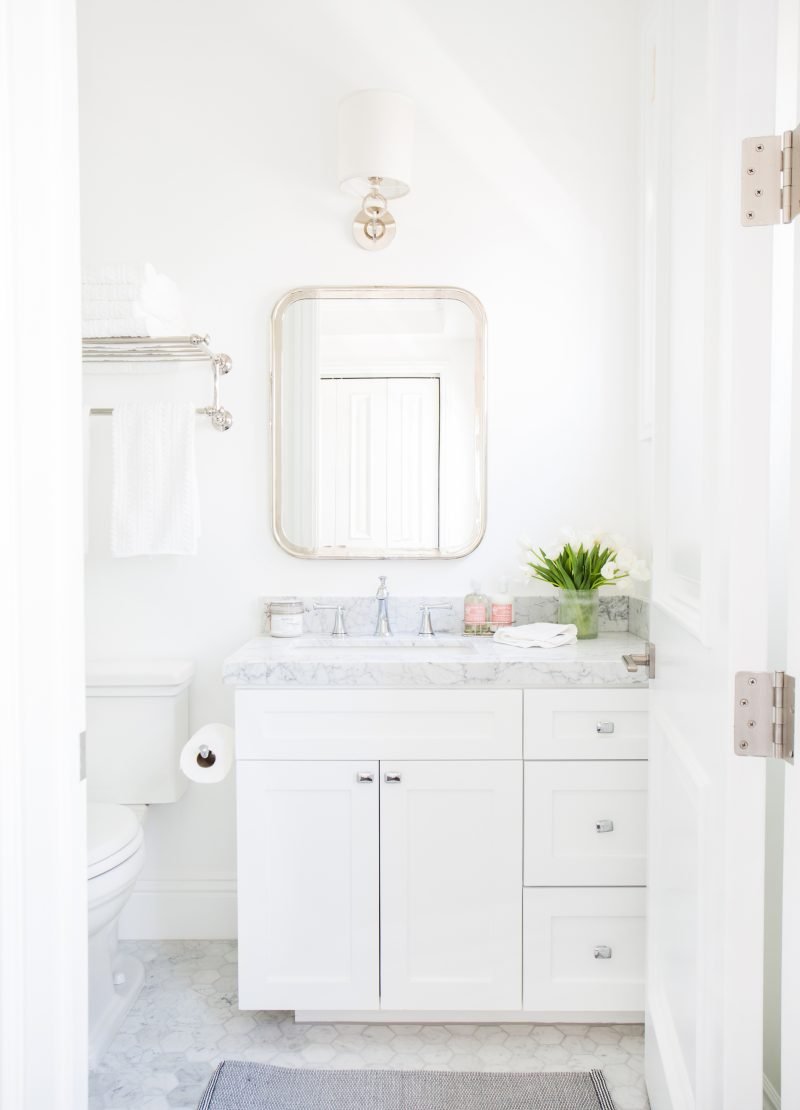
[[208, 147]]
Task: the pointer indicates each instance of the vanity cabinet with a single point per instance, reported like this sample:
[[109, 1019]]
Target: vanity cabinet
[[437, 852]]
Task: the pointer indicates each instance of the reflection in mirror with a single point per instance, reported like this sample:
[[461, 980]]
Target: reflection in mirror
[[379, 422]]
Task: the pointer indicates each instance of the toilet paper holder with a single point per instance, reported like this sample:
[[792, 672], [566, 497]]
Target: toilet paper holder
[[205, 756]]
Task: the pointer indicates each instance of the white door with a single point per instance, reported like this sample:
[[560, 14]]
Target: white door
[[308, 885], [708, 304], [352, 461], [379, 463], [412, 463], [451, 885], [43, 903]]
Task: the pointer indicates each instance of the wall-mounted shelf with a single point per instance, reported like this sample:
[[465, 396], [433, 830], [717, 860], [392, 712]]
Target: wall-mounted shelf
[[175, 348]]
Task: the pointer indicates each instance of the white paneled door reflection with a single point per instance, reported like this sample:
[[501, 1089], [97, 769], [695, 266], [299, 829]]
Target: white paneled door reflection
[[379, 462]]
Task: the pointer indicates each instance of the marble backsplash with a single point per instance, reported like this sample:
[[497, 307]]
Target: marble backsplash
[[618, 613]]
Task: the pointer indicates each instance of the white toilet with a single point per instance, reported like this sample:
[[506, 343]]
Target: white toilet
[[137, 721]]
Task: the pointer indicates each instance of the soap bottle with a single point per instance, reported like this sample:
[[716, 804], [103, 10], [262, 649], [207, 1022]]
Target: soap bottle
[[476, 612], [502, 614]]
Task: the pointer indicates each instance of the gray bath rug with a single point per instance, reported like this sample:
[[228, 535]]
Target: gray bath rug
[[237, 1085]]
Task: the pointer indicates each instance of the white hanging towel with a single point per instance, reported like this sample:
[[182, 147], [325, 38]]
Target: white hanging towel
[[541, 635], [154, 503]]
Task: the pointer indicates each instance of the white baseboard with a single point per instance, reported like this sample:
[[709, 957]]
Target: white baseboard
[[772, 1100], [180, 909]]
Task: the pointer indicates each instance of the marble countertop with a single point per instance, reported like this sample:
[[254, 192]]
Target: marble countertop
[[446, 662]]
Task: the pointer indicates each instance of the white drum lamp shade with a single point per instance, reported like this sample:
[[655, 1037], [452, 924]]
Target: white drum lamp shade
[[376, 132]]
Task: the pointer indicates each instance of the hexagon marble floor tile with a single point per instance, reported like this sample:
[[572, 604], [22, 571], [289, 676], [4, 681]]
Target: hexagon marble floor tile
[[186, 1020]]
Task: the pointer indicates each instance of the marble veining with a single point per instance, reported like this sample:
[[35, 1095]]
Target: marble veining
[[186, 1020], [272, 662], [639, 617]]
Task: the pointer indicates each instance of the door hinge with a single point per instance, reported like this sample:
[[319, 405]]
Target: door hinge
[[771, 179], [763, 717]]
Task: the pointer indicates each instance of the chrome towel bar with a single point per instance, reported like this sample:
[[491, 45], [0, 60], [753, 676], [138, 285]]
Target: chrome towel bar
[[190, 348]]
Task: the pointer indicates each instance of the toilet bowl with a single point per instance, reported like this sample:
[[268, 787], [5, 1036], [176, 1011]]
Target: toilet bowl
[[137, 721], [115, 841]]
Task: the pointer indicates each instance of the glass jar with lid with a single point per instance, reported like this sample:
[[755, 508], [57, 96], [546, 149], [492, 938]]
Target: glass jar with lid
[[286, 617]]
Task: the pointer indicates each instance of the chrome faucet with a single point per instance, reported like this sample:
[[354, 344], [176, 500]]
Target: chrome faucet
[[382, 626]]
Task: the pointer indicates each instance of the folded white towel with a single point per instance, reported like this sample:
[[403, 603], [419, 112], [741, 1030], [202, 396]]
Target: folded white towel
[[114, 327], [154, 504], [541, 635], [131, 301]]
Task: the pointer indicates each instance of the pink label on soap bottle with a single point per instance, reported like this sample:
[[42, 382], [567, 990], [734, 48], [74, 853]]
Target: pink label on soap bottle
[[502, 614], [474, 614]]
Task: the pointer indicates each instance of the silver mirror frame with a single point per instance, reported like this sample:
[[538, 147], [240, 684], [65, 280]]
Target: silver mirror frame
[[379, 292]]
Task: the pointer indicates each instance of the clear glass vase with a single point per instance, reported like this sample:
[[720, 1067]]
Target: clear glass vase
[[581, 608]]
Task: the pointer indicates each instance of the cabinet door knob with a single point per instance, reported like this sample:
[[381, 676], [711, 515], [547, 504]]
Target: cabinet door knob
[[604, 727], [605, 825], [392, 777], [365, 776], [603, 952]]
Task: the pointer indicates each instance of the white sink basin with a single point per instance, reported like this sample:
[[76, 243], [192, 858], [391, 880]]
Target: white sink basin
[[370, 645]]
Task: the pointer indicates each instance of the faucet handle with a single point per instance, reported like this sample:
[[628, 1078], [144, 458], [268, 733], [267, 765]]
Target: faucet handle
[[425, 625], [338, 621]]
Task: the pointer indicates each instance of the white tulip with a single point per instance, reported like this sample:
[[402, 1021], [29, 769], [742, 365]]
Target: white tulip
[[640, 570], [625, 558], [609, 569]]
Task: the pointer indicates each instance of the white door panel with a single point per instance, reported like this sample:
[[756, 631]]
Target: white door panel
[[308, 885], [412, 463], [379, 463], [451, 889], [711, 74]]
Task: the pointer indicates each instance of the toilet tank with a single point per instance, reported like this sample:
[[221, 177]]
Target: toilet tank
[[137, 721]]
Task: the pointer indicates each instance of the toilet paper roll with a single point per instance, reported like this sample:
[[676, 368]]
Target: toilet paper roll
[[214, 764]]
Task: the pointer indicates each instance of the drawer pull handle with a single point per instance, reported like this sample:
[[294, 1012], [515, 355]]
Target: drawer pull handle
[[392, 777], [365, 776], [603, 952], [604, 727], [604, 826]]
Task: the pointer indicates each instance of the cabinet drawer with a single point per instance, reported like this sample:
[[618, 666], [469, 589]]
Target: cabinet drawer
[[586, 724], [585, 823], [584, 949], [379, 724]]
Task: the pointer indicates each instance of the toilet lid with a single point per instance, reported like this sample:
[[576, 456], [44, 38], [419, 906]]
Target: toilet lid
[[113, 835]]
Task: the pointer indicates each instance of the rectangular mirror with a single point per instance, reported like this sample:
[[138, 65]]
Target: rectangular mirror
[[379, 423]]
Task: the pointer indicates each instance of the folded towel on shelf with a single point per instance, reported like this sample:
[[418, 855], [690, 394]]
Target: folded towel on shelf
[[114, 327], [541, 635], [130, 301], [154, 503]]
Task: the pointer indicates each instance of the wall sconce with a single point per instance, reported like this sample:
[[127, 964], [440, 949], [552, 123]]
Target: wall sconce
[[376, 130]]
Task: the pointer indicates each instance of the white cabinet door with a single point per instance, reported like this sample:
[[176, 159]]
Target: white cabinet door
[[308, 885], [451, 885]]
